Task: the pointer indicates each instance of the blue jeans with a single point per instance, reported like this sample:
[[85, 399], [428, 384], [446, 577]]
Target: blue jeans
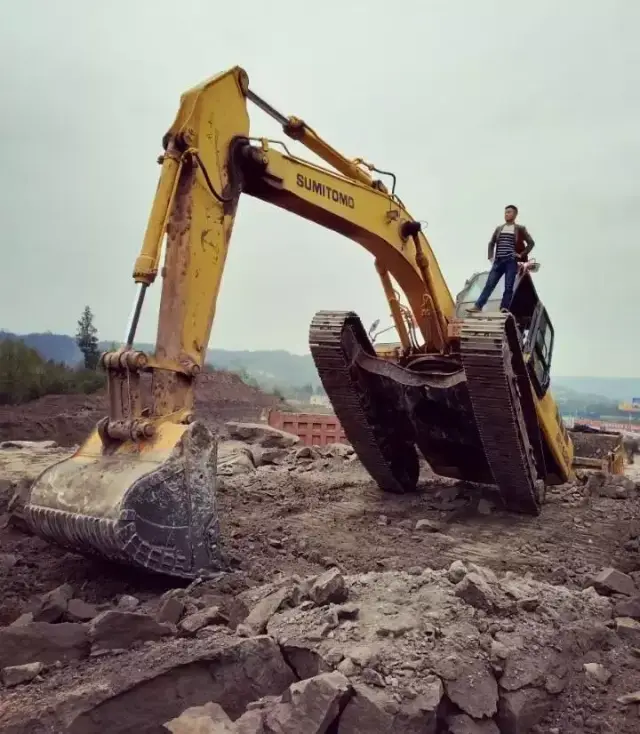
[[507, 266]]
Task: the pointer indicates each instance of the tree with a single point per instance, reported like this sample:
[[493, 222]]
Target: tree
[[87, 339]]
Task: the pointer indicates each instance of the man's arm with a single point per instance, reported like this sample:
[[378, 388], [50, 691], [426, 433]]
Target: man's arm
[[492, 243], [529, 240]]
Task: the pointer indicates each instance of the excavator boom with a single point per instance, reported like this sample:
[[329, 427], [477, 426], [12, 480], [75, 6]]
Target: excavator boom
[[141, 489]]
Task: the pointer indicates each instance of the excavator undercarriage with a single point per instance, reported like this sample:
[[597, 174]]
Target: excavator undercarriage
[[470, 394], [465, 414]]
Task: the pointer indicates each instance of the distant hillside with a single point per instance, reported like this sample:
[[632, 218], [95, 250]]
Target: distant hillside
[[279, 368], [58, 347], [612, 388], [273, 368]]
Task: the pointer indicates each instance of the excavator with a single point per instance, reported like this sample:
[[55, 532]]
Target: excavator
[[470, 394]]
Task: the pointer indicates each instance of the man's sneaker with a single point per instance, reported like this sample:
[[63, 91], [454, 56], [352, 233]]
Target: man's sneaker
[[473, 309]]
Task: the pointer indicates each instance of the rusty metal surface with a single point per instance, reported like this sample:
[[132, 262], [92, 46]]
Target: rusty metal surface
[[158, 515]]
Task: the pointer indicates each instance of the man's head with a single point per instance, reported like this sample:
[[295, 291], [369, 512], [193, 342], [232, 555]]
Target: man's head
[[510, 213]]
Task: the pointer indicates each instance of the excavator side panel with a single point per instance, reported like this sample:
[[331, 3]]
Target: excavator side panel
[[558, 447]]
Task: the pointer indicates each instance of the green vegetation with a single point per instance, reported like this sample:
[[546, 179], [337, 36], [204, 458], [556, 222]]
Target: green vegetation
[[25, 375], [87, 339]]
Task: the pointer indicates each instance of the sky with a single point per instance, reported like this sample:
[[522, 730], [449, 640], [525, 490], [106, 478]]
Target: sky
[[474, 105]]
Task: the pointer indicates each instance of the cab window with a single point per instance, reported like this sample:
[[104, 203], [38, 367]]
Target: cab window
[[541, 351]]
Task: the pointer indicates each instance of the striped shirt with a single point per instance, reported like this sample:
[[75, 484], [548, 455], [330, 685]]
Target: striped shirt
[[506, 242]]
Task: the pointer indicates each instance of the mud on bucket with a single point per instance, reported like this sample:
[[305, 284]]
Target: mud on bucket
[[150, 504]]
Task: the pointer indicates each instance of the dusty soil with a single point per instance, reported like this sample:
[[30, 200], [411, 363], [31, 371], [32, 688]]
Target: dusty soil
[[302, 515], [66, 419]]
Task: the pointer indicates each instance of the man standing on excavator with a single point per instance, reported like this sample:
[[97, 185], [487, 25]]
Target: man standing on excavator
[[511, 243]]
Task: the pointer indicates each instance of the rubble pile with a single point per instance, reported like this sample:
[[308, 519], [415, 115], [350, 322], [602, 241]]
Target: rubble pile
[[255, 446], [457, 650], [349, 611]]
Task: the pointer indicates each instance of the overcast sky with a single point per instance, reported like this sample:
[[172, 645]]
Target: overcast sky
[[472, 104]]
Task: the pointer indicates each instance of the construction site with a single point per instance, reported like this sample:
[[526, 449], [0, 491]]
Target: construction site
[[437, 553]]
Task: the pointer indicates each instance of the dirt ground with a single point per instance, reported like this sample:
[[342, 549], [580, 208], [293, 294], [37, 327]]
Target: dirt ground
[[301, 517], [67, 419]]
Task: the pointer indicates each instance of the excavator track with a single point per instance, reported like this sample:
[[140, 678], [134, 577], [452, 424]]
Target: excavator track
[[371, 419], [497, 384]]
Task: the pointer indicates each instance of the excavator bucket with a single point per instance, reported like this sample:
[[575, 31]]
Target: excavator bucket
[[597, 449], [149, 504]]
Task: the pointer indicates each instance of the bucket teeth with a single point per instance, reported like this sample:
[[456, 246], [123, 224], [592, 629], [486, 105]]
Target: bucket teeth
[[165, 520]]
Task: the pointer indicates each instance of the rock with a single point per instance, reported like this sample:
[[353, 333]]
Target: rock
[[328, 588], [529, 604], [306, 662], [7, 561], [115, 630], [373, 678], [476, 591], [520, 710], [53, 605], [396, 626], [347, 667], [196, 621], [208, 719], [262, 612], [23, 619], [597, 672], [236, 458], [16, 674], [611, 581], [524, 669], [305, 452], [428, 526], [486, 573], [629, 698], [156, 684], [127, 603], [372, 711], [474, 690], [338, 450], [628, 629], [348, 611], [463, 724], [251, 722], [42, 642], [270, 456], [262, 434], [80, 611], [170, 611], [628, 608], [484, 507], [313, 705], [457, 571]]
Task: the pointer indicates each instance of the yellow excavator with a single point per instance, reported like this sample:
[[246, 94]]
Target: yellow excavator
[[470, 393]]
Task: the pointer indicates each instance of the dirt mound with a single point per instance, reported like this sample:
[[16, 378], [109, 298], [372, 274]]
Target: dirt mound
[[67, 419]]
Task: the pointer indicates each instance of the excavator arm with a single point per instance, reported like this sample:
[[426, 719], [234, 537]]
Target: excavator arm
[[141, 489], [209, 162]]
